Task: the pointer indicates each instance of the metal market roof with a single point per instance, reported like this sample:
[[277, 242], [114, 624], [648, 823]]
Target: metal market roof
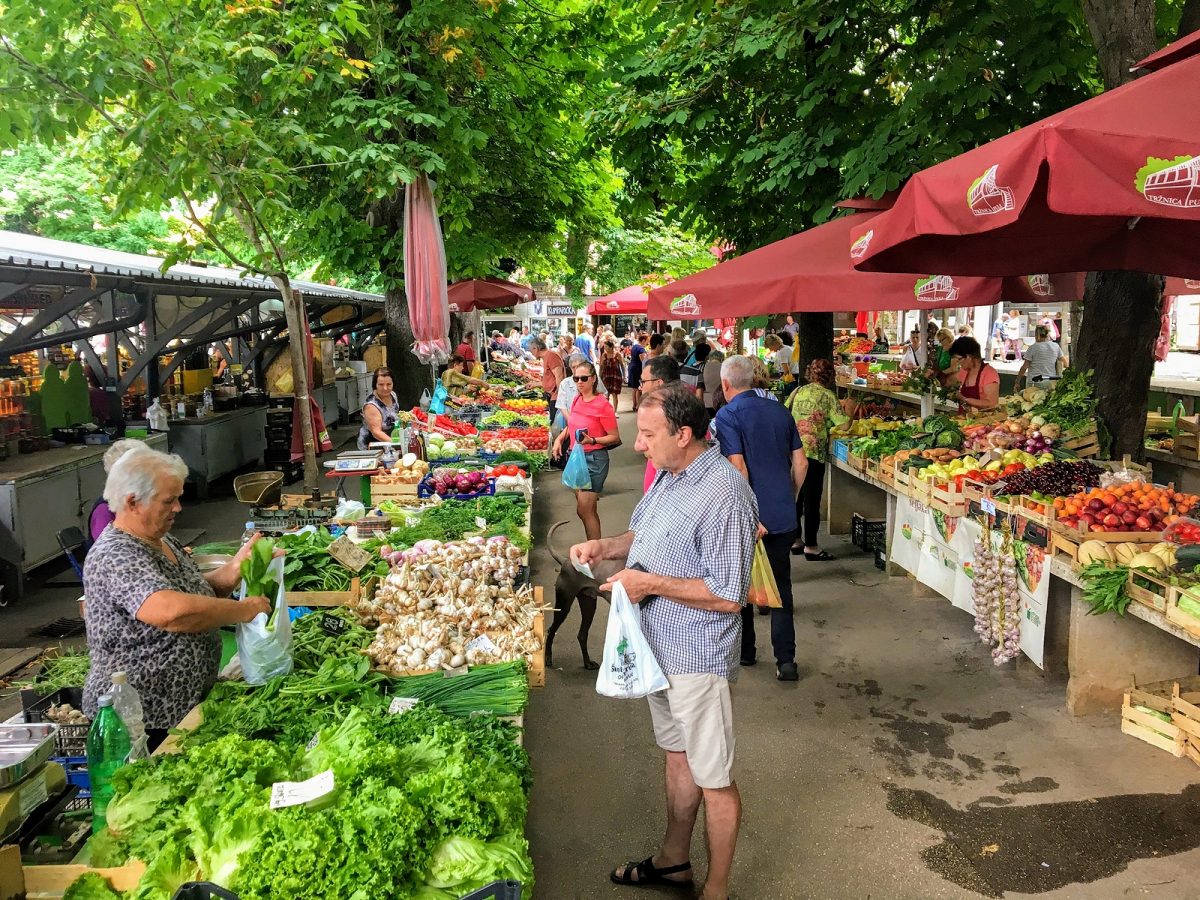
[[29, 252]]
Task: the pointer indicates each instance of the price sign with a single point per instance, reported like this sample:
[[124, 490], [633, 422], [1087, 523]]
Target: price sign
[[484, 643], [297, 793], [333, 625], [480, 522], [401, 705], [349, 554], [316, 739], [456, 671], [987, 506]]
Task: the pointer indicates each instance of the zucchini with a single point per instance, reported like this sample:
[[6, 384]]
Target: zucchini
[[1187, 557]]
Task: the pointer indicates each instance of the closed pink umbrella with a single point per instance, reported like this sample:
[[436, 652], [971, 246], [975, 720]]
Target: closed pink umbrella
[[425, 274], [320, 433]]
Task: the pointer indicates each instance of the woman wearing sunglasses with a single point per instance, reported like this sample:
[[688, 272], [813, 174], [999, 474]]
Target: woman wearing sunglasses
[[592, 423]]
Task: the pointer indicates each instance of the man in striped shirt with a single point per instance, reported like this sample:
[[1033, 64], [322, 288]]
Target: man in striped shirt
[[690, 548]]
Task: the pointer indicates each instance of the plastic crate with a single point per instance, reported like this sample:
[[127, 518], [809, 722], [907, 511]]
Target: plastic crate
[[867, 534], [881, 558], [77, 773], [841, 450], [69, 740], [425, 491]]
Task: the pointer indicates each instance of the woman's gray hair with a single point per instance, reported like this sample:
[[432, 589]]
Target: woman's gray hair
[[117, 450], [739, 371], [136, 474]]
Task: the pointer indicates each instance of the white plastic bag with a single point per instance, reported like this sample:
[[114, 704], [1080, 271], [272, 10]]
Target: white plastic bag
[[265, 643], [628, 669]]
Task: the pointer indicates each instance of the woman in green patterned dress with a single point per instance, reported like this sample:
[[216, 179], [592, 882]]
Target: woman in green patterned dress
[[813, 407]]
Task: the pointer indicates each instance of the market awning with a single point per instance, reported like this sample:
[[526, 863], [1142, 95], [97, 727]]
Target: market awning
[[630, 301], [487, 293], [1112, 183], [810, 272]]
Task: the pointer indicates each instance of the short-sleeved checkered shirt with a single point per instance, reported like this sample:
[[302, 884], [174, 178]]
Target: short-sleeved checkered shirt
[[700, 523]]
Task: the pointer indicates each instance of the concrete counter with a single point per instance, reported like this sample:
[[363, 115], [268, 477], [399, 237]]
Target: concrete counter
[[216, 445]]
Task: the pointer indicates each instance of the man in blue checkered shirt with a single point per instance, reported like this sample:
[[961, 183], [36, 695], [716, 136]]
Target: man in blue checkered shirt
[[690, 547]]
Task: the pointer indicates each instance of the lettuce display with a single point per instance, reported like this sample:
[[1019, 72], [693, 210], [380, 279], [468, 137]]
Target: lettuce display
[[424, 806]]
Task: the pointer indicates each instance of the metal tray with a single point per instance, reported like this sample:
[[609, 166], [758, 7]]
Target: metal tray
[[23, 748]]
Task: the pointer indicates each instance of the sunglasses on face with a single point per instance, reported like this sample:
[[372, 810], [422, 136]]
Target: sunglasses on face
[[582, 377], [646, 381]]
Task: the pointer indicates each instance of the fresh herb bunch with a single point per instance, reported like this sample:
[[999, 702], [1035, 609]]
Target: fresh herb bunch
[[1071, 403], [68, 668], [1104, 588]]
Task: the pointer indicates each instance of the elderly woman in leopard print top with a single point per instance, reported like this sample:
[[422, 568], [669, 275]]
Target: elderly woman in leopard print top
[[150, 612]]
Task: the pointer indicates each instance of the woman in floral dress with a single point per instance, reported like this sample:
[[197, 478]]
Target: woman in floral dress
[[813, 406]]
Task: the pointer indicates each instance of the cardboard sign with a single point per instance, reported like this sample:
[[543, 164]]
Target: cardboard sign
[[333, 625], [349, 554]]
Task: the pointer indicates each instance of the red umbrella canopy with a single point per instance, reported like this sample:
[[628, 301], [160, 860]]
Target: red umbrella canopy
[[425, 273], [810, 272], [630, 301], [1112, 183], [486, 293]]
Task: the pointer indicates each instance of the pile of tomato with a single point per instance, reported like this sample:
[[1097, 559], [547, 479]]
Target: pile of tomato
[[507, 469], [532, 438]]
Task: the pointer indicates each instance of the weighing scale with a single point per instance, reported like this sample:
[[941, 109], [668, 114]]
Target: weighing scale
[[363, 463]]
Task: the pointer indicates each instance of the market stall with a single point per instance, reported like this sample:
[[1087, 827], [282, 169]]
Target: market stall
[[415, 636], [1014, 501]]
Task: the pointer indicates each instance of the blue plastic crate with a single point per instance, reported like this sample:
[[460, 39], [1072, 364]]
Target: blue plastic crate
[[841, 450], [77, 773]]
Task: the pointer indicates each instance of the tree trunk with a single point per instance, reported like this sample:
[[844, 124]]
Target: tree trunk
[[410, 375], [1123, 32], [816, 338], [298, 348], [1128, 304]]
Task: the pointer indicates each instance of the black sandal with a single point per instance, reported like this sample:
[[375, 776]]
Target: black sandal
[[650, 876], [817, 557]]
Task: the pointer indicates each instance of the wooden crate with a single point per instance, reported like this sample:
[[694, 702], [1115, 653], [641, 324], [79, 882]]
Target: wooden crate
[[1186, 446], [1185, 711], [1067, 541], [1027, 508], [1180, 618], [1157, 696], [1150, 590], [386, 490], [327, 598], [1083, 446], [39, 882], [857, 463], [946, 498]]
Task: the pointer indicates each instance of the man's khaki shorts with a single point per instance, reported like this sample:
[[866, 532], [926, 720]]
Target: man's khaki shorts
[[695, 716]]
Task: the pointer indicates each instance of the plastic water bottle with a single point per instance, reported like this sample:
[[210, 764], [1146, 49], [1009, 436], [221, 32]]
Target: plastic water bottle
[[249, 532], [128, 704], [107, 748]]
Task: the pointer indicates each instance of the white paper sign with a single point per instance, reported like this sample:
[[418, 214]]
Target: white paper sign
[[297, 793], [316, 739], [480, 522], [583, 569], [401, 705], [484, 643], [987, 506], [33, 795]]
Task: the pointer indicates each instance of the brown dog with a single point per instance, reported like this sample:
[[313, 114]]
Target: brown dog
[[572, 585]]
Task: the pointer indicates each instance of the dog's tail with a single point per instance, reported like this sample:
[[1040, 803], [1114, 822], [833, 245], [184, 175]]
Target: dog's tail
[[550, 543]]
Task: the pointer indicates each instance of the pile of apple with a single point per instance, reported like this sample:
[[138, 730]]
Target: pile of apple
[[1137, 506]]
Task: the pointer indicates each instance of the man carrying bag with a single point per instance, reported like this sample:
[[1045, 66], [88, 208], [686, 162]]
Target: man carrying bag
[[690, 549]]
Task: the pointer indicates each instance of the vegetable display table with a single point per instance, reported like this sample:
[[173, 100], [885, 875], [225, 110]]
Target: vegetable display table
[[1101, 654]]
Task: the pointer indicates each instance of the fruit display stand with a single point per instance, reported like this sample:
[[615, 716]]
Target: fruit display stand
[[1100, 653]]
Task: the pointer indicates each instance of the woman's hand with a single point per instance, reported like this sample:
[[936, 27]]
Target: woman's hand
[[254, 606], [558, 442], [248, 547]]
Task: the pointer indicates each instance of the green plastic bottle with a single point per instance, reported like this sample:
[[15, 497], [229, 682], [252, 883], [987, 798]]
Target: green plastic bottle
[[108, 746]]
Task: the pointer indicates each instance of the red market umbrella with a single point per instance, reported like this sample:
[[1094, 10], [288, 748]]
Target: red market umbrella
[[486, 293], [810, 272], [1112, 183], [630, 301], [425, 274]]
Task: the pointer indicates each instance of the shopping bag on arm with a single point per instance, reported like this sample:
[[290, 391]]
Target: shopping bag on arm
[[576, 475], [628, 669], [265, 643], [437, 405], [764, 591]]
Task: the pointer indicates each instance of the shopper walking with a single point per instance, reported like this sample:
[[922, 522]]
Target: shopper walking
[[1043, 360], [813, 407], [633, 374], [712, 380], [759, 437], [591, 423], [553, 371], [612, 372], [584, 343], [690, 545], [1012, 335]]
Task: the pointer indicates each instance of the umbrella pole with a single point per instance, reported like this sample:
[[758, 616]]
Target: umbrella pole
[[923, 359]]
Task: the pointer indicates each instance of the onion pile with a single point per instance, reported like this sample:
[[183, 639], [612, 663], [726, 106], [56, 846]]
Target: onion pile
[[997, 603]]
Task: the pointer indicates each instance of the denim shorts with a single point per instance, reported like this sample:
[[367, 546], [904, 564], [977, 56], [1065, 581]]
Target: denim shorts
[[597, 463]]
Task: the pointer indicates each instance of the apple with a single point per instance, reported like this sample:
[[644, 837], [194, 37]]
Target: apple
[[1112, 520]]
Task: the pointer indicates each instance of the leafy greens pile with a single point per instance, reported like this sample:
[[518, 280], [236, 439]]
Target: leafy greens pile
[[1070, 404], [425, 806]]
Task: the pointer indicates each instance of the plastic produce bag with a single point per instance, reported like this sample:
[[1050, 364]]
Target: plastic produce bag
[[576, 475], [437, 405], [763, 589], [265, 644], [425, 399], [628, 669]]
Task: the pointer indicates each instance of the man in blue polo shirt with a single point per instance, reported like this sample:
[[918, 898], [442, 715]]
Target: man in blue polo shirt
[[759, 437]]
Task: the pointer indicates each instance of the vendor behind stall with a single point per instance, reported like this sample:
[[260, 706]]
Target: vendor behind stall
[[979, 383], [455, 379], [150, 612], [380, 412]]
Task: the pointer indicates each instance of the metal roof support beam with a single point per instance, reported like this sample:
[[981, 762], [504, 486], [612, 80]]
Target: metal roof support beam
[[8, 347], [162, 338], [46, 317], [206, 336]]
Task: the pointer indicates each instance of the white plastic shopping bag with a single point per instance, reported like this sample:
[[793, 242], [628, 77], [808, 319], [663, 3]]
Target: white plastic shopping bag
[[265, 643], [628, 669]]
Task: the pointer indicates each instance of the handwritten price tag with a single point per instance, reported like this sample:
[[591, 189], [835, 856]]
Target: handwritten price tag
[[401, 705], [297, 793], [480, 522], [484, 643], [987, 506]]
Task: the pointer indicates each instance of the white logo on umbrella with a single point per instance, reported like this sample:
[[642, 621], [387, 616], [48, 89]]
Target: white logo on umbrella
[[987, 198]]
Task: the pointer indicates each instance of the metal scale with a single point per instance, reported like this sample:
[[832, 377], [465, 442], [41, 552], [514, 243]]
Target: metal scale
[[262, 492]]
